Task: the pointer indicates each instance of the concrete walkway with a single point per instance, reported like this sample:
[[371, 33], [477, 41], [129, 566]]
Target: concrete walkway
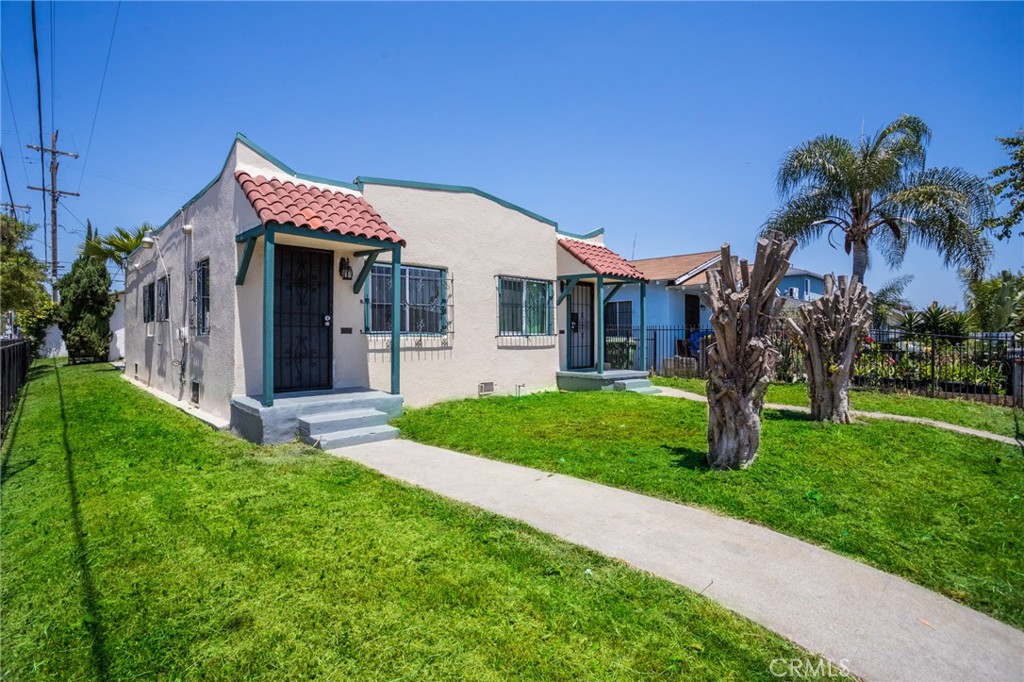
[[879, 626], [679, 393]]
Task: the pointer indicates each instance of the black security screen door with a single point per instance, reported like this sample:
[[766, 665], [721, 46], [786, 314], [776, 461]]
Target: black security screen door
[[581, 323], [302, 318]]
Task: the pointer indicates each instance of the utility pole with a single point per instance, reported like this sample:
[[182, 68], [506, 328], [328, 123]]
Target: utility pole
[[55, 195], [14, 207]]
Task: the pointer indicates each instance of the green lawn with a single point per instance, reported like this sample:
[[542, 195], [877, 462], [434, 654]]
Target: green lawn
[[939, 508], [994, 418], [139, 544]]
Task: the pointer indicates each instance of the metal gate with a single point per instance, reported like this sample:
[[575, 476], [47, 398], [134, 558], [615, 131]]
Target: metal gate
[[581, 326], [303, 281]]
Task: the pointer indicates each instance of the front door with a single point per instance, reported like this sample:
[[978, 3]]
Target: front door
[[581, 326], [303, 281]]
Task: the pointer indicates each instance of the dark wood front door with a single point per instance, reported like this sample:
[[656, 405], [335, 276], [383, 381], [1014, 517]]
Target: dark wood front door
[[581, 326], [303, 282]]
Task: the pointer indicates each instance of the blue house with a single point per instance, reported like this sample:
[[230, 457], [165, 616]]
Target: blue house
[[676, 318]]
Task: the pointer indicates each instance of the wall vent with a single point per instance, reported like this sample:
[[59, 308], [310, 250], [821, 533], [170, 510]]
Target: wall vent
[[485, 388], [195, 392]]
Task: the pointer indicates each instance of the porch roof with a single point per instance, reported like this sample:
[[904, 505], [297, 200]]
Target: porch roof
[[314, 208], [601, 259]]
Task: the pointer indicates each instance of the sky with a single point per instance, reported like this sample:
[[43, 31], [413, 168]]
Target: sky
[[663, 123]]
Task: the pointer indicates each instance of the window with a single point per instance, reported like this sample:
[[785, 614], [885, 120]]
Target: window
[[162, 305], [424, 305], [147, 302], [618, 318], [524, 307], [203, 297]]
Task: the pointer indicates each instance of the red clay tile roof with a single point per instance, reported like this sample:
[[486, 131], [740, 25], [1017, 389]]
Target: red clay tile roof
[[671, 267], [600, 259], [287, 203]]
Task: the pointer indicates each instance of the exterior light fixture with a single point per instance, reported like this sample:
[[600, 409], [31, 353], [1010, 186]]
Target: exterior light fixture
[[149, 240], [345, 268]]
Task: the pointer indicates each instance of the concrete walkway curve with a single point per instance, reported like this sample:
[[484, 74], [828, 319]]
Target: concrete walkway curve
[[879, 626], [697, 397]]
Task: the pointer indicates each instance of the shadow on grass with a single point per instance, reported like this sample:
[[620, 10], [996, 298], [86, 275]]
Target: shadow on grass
[[92, 620], [688, 458], [8, 472], [785, 415]]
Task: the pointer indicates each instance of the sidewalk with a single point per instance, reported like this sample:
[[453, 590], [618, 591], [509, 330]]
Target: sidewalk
[[697, 397], [880, 626]]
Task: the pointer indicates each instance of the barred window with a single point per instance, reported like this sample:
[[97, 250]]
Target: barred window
[[203, 297], [423, 300], [162, 303], [147, 302], [524, 307], [618, 318]]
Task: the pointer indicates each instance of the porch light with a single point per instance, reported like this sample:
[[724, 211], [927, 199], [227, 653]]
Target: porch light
[[148, 241], [345, 269]]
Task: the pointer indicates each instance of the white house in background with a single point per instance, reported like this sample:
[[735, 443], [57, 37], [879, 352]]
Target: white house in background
[[117, 328], [288, 304]]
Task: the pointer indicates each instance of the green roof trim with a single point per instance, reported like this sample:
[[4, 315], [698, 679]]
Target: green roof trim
[[240, 137], [288, 169], [589, 235], [364, 180]]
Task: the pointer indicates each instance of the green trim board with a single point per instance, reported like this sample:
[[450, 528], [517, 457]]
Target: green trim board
[[268, 319], [243, 267], [600, 324], [413, 184], [396, 319], [371, 258], [251, 232], [570, 283], [589, 235], [606, 278], [614, 290], [329, 236]]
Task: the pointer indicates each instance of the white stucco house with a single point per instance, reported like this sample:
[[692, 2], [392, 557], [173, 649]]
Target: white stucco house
[[288, 304]]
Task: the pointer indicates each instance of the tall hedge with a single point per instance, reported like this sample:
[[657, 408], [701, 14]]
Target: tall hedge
[[86, 305]]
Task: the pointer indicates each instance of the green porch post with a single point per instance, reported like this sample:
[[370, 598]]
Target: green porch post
[[568, 325], [396, 318], [600, 324], [643, 326], [268, 318]]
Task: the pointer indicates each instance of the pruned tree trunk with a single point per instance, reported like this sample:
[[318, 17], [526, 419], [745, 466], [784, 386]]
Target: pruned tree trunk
[[831, 330], [741, 358]]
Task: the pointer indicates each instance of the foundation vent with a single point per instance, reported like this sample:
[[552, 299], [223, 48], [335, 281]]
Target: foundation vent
[[195, 392], [485, 388]]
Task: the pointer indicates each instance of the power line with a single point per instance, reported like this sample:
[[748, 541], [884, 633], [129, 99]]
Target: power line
[[99, 98], [53, 66], [17, 133], [71, 213], [39, 110]]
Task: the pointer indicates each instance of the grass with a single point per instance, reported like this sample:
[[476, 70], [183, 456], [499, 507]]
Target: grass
[[1005, 421], [941, 509], [137, 543]]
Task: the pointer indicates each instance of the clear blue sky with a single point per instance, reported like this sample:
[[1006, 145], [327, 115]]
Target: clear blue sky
[[659, 122]]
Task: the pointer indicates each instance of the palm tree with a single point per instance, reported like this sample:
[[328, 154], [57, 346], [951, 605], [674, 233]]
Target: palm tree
[[888, 299], [877, 192], [117, 246]]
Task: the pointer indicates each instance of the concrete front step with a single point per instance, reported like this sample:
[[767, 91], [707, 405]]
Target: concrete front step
[[342, 420], [341, 439], [636, 386]]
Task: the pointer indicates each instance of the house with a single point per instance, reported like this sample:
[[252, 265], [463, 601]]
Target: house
[[676, 319], [287, 304]]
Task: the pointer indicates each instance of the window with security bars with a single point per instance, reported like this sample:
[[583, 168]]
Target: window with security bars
[[618, 318], [524, 307], [424, 305], [147, 302], [162, 302], [203, 297]]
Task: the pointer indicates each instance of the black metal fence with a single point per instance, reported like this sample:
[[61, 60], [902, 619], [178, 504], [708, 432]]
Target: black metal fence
[[15, 358], [983, 367]]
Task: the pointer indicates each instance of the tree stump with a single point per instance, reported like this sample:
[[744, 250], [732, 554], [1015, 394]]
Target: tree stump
[[831, 330], [741, 358]]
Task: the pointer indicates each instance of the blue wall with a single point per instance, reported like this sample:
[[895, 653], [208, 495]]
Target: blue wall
[[804, 283], [664, 306]]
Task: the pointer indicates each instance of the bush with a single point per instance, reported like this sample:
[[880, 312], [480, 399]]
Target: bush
[[83, 314]]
